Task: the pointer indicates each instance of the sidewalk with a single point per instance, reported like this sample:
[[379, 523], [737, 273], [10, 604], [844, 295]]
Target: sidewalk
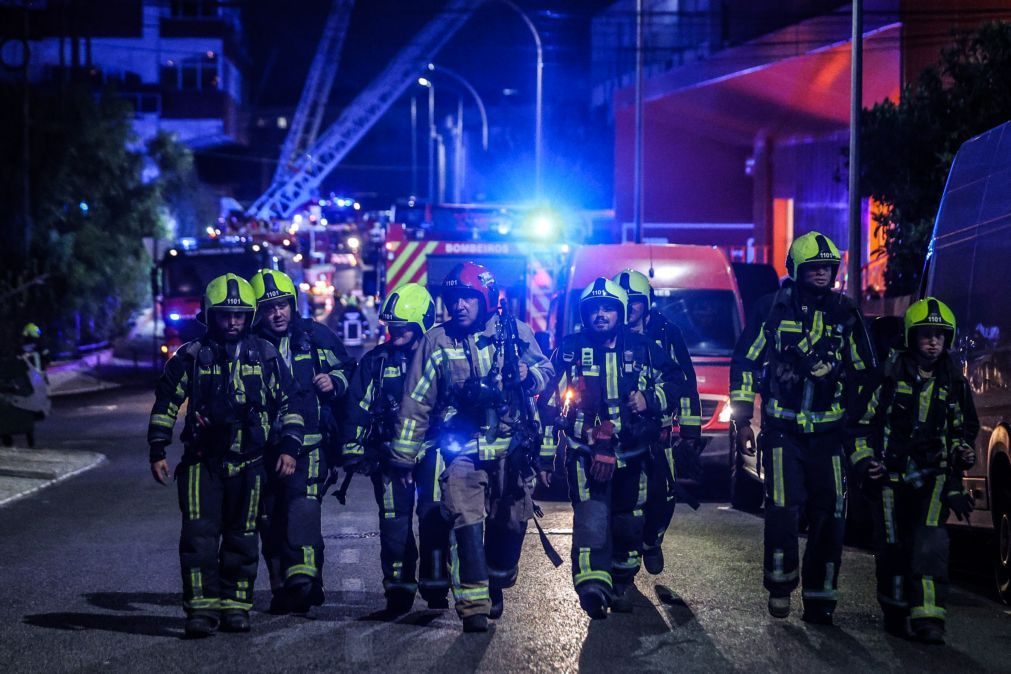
[[25, 471]]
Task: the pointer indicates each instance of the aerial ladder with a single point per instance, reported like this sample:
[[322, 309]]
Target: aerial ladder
[[308, 115], [309, 168]]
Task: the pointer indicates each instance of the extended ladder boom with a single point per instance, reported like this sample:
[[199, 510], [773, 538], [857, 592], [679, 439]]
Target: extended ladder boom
[[312, 166], [309, 113]]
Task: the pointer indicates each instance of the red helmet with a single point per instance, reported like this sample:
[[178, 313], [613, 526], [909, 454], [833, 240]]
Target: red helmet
[[473, 278]]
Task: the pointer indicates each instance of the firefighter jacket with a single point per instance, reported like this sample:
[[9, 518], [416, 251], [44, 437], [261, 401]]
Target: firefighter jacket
[[449, 392], [373, 402], [668, 337], [592, 384], [914, 422], [239, 390], [807, 355], [308, 349]]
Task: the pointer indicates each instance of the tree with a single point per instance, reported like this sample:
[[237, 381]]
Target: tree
[[190, 205], [91, 210], [907, 148]]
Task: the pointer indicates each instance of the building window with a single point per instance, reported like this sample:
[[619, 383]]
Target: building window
[[193, 9], [195, 73]]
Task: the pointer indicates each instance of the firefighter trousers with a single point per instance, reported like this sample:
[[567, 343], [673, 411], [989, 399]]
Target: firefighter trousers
[[290, 525], [607, 523], [660, 500], [911, 537], [484, 551], [218, 553], [803, 474], [398, 552]]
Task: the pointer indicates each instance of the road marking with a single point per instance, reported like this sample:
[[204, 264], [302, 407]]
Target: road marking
[[349, 556]]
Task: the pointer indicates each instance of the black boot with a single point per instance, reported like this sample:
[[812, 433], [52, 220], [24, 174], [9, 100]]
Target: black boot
[[398, 603], [438, 603], [652, 559], [779, 607], [897, 624], [621, 601], [279, 603], [928, 630], [235, 620], [497, 603], [200, 625], [475, 623], [817, 615], [594, 601]]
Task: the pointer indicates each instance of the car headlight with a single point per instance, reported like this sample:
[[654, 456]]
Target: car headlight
[[725, 413]]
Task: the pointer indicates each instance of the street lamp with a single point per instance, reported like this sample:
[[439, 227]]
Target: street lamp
[[431, 137], [538, 154], [473, 92]]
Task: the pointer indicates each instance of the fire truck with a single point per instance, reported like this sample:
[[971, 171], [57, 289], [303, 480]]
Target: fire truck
[[523, 247], [186, 269]]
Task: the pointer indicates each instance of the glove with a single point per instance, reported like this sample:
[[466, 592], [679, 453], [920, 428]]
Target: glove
[[961, 503], [603, 460], [745, 437], [688, 458], [965, 456]]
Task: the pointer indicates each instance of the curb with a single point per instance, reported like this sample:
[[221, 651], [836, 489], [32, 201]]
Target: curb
[[97, 459]]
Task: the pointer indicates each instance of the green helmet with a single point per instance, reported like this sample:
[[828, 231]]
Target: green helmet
[[270, 284], [228, 293], [604, 289], [931, 312], [32, 331], [410, 304], [811, 248]]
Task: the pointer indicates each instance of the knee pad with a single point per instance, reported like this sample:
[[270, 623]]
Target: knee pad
[[590, 524]]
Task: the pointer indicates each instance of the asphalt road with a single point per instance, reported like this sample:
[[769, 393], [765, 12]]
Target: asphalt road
[[90, 581]]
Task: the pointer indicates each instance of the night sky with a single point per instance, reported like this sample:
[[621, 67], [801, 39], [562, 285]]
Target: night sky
[[494, 51]]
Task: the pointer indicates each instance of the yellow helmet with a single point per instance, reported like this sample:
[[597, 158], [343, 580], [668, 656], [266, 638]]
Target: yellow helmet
[[410, 304], [930, 312], [228, 293], [812, 247], [604, 289], [635, 283], [270, 284]]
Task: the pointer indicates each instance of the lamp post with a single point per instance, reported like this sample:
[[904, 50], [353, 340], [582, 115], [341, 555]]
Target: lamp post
[[452, 74], [431, 137], [538, 145]]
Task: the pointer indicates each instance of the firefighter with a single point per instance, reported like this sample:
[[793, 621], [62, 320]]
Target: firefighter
[[808, 347], [611, 390], [320, 368], [669, 460], [914, 437], [372, 409], [238, 387], [454, 390], [33, 349]]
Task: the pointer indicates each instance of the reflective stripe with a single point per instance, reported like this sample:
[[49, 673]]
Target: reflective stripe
[[292, 419], [756, 348], [839, 493], [643, 489], [934, 512], [888, 503], [364, 403], [312, 486], [388, 505], [471, 594], [929, 609], [581, 487], [777, 575], [778, 496], [226, 604], [196, 584], [862, 451], [925, 395], [858, 362], [611, 366], [829, 585], [254, 506], [163, 420], [586, 573], [194, 491]]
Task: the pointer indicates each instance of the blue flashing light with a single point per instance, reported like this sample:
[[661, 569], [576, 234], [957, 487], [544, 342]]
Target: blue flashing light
[[188, 243], [542, 225], [503, 228], [84, 207], [174, 317]]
